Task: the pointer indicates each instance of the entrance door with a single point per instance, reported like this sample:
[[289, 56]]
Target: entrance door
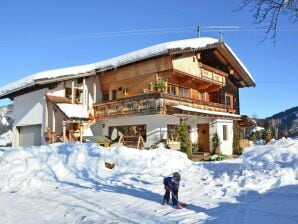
[[203, 133]]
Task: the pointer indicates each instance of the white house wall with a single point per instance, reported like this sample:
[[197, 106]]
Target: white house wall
[[29, 109], [90, 91], [58, 90], [226, 146], [156, 125]]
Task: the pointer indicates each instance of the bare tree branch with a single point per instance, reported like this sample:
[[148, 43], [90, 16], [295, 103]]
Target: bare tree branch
[[268, 12]]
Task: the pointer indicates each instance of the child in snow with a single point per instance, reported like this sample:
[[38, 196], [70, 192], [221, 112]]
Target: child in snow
[[171, 186]]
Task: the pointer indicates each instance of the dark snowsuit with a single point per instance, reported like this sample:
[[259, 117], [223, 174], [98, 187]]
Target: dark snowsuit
[[173, 188]]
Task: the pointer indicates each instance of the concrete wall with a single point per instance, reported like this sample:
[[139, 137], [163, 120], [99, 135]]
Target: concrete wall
[[29, 109]]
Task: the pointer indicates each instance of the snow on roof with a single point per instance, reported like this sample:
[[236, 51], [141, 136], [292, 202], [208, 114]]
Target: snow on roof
[[73, 110], [192, 109], [149, 52]]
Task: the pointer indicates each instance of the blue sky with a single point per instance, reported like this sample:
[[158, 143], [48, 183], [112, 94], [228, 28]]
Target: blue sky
[[41, 35]]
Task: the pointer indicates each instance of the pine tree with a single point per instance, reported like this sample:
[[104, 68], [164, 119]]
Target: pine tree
[[184, 136], [216, 144], [236, 141]]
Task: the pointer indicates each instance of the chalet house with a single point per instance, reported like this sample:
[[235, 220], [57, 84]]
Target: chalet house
[[137, 98]]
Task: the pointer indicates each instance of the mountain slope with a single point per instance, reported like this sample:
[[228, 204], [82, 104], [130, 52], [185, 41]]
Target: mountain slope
[[286, 122]]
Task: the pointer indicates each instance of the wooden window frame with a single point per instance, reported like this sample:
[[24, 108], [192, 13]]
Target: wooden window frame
[[67, 95], [228, 95], [182, 89], [225, 135]]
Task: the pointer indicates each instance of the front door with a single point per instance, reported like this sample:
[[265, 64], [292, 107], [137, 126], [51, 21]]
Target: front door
[[203, 134]]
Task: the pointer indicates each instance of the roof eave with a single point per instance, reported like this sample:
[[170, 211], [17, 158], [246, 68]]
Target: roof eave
[[244, 74]]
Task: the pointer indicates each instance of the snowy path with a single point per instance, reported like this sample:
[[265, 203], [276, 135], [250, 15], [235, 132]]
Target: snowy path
[[124, 203]]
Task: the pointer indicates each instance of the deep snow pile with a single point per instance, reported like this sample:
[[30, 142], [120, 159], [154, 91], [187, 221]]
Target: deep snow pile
[[270, 166], [70, 183], [83, 164]]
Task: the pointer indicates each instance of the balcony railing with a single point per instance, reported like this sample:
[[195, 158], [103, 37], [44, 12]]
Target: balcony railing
[[150, 103]]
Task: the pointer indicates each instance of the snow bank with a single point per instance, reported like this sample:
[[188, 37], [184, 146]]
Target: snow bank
[[156, 161], [81, 164], [270, 166]]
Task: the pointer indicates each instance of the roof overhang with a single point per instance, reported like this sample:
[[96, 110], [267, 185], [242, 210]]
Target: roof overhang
[[191, 111]]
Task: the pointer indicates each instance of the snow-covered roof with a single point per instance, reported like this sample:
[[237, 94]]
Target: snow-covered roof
[[74, 111], [149, 52], [207, 112]]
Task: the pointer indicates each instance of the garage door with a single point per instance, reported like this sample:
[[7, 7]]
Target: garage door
[[30, 135]]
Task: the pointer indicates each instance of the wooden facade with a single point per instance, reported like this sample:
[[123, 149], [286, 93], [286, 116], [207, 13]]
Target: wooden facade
[[130, 90]]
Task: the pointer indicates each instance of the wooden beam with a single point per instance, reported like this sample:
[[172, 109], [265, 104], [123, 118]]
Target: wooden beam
[[94, 88], [85, 92], [73, 95]]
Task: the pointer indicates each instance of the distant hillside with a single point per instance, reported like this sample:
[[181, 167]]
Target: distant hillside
[[6, 121], [285, 122]]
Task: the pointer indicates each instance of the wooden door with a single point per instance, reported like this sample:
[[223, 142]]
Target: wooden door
[[203, 134]]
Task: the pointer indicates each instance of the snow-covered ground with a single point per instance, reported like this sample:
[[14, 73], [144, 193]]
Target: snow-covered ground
[[69, 183]]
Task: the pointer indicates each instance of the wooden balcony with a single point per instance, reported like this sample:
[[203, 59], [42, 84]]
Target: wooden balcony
[[150, 103]]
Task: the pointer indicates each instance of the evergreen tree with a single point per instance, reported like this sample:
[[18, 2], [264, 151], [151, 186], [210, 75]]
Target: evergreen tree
[[236, 141], [183, 131], [216, 144]]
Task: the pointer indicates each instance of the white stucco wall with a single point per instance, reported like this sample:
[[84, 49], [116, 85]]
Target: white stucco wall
[[29, 109], [58, 91], [156, 125], [157, 128], [226, 146]]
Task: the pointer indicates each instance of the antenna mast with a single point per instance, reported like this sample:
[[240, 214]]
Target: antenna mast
[[199, 31]]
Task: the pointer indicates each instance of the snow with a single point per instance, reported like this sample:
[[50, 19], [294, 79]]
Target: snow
[[159, 49], [257, 128], [73, 110], [69, 183], [6, 138]]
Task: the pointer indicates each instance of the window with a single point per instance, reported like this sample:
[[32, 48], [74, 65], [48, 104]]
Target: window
[[172, 90], [229, 100], [132, 130], [114, 94], [79, 96], [225, 132], [202, 96], [105, 96], [172, 134], [184, 92], [68, 93]]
